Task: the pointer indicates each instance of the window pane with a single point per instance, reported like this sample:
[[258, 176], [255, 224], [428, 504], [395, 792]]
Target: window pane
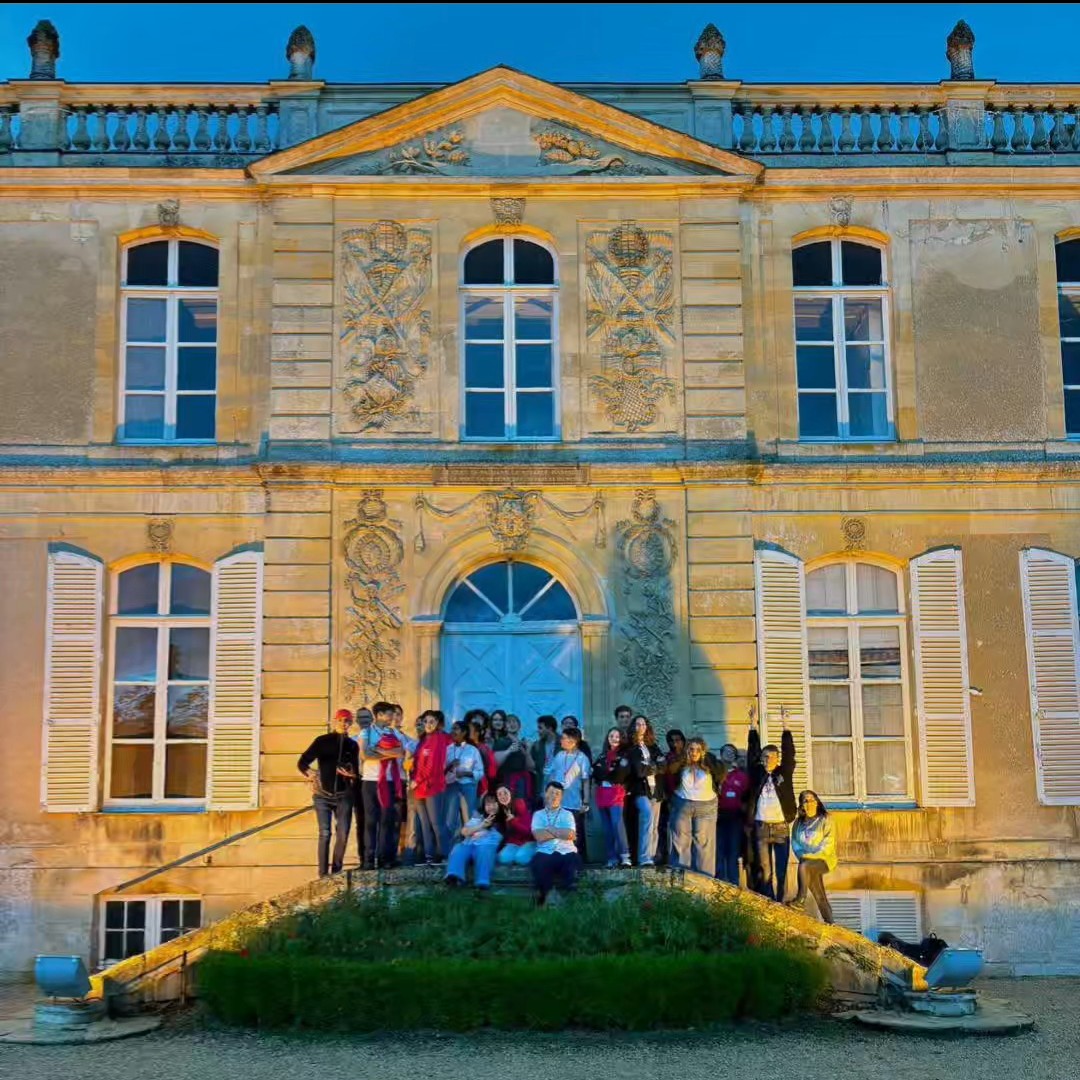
[[554, 605], [876, 588], [533, 265], [532, 320], [533, 365], [865, 367], [860, 264], [833, 770], [198, 265], [817, 416], [189, 652], [827, 649], [485, 416], [114, 946], [484, 264], [883, 709], [811, 264], [197, 320], [136, 654], [189, 591], [196, 368], [1069, 314], [817, 367], [185, 771], [535, 416], [813, 320], [868, 416], [1072, 412], [195, 416], [135, 914], [1068, 260], [862, 320], [132, 771], [145, 368], [145, 319], [1070, 363], [484, 366], [191, 915], [144, 416], [830, 711], [465, 606], [494, 582], [879, 652], [170, 915], [134, 943], [528, 581], [133, 711], [187, 712], [826, 590], [137, 590], [886, 768], [484, 319], [114, 915], [148, 264]]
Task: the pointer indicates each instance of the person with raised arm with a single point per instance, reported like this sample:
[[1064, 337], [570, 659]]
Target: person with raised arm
[[771, 807]]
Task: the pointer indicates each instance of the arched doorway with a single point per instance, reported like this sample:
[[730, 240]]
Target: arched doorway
[[511, 639]]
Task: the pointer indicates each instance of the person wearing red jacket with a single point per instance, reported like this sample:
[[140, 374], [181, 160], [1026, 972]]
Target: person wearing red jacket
[[731, 814], [427, 788], [477, 729], [518, 846]]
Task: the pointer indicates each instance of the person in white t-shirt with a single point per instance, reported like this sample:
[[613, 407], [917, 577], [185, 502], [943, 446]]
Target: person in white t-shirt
[[555, 833], [572, 768], [464, 771]]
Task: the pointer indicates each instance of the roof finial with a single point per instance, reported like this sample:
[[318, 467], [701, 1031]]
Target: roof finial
[[709, 52], [959, 51], [44, 44], [300, 52]]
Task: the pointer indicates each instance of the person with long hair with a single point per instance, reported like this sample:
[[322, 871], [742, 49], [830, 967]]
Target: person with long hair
[[464, 770], [512, 759], [610, 771], [693, 808], [813, 841], [481, 837], [644, 786], [519, 846], [496, 726], [731, 814], [477, 723], [427, 788]]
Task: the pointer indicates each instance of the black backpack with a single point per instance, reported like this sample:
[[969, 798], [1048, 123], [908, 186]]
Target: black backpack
[[924, 952]]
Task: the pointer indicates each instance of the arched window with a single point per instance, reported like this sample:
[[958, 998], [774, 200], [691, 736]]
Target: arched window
[[857, 652], [510, 592], [509, 331], [169, 342], [159, 687], [1068, 278], [842, 341]]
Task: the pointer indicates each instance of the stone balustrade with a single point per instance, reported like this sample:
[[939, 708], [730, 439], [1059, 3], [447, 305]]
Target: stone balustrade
[[1034, 127]]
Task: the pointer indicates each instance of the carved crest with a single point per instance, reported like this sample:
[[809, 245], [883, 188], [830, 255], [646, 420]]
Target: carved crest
[[508, 211], [168, 213], [840, 207], [159, 535], [854, 531]]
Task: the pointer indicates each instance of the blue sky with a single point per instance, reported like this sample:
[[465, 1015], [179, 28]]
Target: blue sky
[[560, 42]]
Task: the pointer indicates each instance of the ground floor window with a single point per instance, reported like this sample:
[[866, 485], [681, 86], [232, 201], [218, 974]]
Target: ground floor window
[[131, 926], [873, 912]]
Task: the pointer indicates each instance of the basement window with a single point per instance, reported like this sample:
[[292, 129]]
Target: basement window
[[135, 925]]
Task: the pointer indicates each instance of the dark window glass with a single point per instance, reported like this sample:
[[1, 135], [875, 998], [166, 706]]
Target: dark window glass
[[817, 416], [554, 605], [196, 320], [811, 264], [198, 265], [1072, 412], [148, 264], [132, 771], [189, 652], [535, 416], [136, 914], [1070, 362], [868, 416], [195, 416], [1068, 260], [196, 367], [138, 590], [528, 581], [145, 417], [484, 366], [533, 365], [136, 654], [533, 265], [860, 264], [185, 771], [114, 915], [145, 368], [484, 416], [1069, 315], [494, 582], [187, 710], [484, 264], [189, 591], [817, 367], [465, 606]]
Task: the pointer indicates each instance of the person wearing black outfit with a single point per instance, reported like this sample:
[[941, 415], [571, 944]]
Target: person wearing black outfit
[[644, 786], [333, 780], [772, 808]]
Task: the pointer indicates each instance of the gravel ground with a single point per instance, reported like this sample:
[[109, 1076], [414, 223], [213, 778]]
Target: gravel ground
[[808, 1050]]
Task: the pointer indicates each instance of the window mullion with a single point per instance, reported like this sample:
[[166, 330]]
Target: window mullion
[[161, 693], [839, 345], [172, 353], [509, 361]]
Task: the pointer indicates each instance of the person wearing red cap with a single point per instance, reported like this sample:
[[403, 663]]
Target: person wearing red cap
[[336, 764]]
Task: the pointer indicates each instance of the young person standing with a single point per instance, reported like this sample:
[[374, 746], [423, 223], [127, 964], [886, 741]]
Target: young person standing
[[556, 858], [693, 808], [610, 772], [333, 778], [382, 784], [464, 770], [731, 815], [771, 807], [814, 843], [644, 786], [427, 789], [543, 750], [572, 770]]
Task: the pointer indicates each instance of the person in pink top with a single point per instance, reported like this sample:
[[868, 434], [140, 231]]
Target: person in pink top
[[731, 814], [610, 772], [518, 847], [427, 788]]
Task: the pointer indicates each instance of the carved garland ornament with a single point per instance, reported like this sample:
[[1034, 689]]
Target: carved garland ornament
[[631, 313], [510, 515], [560, 148], [373, 552], [429, 156], [386, 333], [647, 550]]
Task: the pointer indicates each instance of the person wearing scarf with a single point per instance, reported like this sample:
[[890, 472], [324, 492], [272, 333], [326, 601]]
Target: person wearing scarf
[[610, 772]]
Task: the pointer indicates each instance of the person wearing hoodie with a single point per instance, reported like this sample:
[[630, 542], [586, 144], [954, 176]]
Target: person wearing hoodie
[[731, 815], [814, 843], [427, 789]]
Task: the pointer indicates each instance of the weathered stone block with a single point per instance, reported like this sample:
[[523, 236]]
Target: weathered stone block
[[737, 656], [715, 402], [719, 576], [295, 657], [303, 265], [711, 291], [722, 265], [293, 211], [733, 602], [300, 402], [715, 428], [296, 577], [296, 631], [303, 238], [293, 711], [714, 375], [303, 293], [729, 684], [301, 374], [300, 428], [295, 684], [713, 347], [301, 347], [295, 319], [710, 524], [303, 604], [710, 237], [735, 628], [712, 319], [297, 551]]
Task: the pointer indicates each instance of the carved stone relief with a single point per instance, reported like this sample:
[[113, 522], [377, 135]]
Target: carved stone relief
[[168, 213], [429, 156], [562, 147], [508, 211], [630, 312], [386, 330], [159, 535], [854, 531]]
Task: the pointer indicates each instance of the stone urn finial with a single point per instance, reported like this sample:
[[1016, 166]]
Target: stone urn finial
[[300, 52], [959, 51], [44, 44], [709, 52]]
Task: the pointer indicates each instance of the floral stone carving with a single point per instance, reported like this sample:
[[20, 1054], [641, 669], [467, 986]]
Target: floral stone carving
[[430, 155], [630, 312], [647, 551], [560, 147], [373, 553], [386, 332]]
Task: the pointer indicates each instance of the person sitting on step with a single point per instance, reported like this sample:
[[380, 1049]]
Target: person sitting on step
[[556, 858], [814, 842], [481, 837], [519, 847]]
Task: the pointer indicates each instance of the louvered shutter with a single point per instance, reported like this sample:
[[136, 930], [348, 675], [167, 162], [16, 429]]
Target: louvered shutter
[[896, 913], [235, 686], [72, 720], [941, 679], [847, 909], [783, 678], [1050, 620]]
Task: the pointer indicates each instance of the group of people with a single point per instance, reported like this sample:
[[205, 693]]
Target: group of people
[[482, 794]]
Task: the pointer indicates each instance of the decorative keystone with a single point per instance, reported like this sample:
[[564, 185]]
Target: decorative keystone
[[300, 52], [709, 52], [959, 51], [44, 44]]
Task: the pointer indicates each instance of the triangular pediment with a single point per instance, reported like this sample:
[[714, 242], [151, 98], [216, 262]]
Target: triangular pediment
[[503, 123]]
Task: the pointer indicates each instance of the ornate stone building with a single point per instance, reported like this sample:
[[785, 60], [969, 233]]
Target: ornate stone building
[[701, 396]]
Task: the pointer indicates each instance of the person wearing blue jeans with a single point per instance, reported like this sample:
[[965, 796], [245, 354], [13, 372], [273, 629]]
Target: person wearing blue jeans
[[644, 786], [772, 808], [480, 839], [610, 772], [464, 771], [693, 809], [331, 763]]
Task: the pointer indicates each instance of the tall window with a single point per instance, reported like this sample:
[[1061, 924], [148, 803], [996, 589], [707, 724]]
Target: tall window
[[510, 319], [132, 926], [160, 684], [841, 341], [1068, 277], [169, 368], [858, 683]]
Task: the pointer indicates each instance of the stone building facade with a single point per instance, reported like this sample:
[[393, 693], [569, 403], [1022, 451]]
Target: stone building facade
[[704, 397]]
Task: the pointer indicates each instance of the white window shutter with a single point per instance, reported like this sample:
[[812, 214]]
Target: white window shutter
[[941, 679], [895, 913], [235, 682], [72, 720], [847, 909], [783, 678], [1050, 621]]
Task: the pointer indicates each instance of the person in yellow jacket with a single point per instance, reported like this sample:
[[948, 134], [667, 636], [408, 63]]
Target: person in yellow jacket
[[814, 843]]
